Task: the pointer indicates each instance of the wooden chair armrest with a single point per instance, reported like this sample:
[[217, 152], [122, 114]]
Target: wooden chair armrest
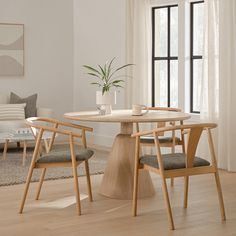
[[72, 125], [178, 127], [55, 130], [164, 109], [54, 121]]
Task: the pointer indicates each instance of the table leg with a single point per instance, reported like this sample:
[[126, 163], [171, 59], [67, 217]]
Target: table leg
[[119, 173], [5, 149], [24, 152]]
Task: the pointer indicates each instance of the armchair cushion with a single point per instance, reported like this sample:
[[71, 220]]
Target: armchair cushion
[[64, 156], [30, 109], [172, 161]]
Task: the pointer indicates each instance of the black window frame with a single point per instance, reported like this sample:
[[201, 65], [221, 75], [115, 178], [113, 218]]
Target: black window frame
[[192, 56], [168, 58]]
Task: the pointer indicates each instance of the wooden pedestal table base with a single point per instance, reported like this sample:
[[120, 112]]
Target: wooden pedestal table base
[[119, 172]]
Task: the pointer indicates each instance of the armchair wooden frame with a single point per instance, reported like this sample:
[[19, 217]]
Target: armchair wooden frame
[[194, 133], [170, 143], [36, 124]]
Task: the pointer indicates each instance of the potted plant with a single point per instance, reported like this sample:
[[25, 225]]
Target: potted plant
[[106, 78]]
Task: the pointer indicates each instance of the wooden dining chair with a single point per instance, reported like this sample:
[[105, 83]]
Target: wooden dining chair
[[71, 158], [170, 141], [177, 164]]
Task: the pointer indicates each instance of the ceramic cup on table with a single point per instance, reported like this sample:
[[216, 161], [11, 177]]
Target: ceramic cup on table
[[137, 110]]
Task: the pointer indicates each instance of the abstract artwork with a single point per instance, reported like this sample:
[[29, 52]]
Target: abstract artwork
[[11, 49]]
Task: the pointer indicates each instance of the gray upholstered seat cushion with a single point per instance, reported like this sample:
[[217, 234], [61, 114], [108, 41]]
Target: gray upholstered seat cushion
[[150, 139], [64, 156], [172, 161]]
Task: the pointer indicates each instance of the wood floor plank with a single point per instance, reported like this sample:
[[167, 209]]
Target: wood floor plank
[[113, 217]]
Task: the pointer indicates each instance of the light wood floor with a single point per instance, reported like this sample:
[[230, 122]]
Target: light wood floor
[[113, 217]]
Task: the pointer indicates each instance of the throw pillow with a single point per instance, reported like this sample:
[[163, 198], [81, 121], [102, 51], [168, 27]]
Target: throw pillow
[[30, 109], [12, 111]]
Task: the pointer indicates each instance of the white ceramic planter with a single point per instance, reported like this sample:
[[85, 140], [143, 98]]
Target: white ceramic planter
[[108, 98], [106, 101]]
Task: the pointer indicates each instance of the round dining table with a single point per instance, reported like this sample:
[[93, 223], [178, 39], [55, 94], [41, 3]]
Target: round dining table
[[118, 176]]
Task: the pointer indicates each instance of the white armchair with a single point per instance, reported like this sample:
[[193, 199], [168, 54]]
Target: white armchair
[[9, 125], [16, 130]]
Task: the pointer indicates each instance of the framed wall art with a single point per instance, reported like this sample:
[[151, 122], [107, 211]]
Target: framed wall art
[[11, 49]]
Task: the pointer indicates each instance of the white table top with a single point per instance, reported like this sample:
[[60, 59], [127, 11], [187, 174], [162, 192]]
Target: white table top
[[126, 116]]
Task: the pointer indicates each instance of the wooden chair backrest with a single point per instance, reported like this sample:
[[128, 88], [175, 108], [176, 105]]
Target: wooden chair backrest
[[41, 124], [194, 134], [160, 124]]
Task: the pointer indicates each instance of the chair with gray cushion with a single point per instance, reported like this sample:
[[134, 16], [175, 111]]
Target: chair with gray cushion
[[177, 164], [68, 158], [165, 141]]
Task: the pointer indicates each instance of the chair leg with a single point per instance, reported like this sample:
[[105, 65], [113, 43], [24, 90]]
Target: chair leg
[[26, 188], [88, 181], [220, 196], [135, 195], [167, 201], [76, 186], [135, 191], [40, 184], [186, 184], [172, 151]]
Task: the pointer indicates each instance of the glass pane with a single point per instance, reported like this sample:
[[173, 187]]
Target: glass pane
[[174, 83], [174, 31], [198, 34], [197, 79], [161, 83], [161, 30]]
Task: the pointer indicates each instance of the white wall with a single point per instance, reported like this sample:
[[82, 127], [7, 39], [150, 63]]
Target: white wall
[[99, 35], [61, 36], [48, 51]]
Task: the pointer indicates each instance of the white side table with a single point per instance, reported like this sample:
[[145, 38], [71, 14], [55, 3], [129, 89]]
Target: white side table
[[3, 139]]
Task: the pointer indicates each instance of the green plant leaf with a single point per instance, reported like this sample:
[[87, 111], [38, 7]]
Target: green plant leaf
[[122, 67], [102, 70], [118, 81], [118, 86], [93, 74], [92, 69], [96, 84], [109, 69]]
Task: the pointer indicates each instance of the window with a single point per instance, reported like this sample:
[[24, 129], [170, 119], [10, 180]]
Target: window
[[165, 56], [177, 52], [196, 51]]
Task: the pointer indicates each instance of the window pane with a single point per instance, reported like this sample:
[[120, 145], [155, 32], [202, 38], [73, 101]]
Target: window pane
[[174, 31], [174, 83], [198, 34], [197, 79], [161, 32], [161, 83]]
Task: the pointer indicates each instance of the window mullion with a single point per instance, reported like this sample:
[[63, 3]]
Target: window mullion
[[153, 57], [168, 55]]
